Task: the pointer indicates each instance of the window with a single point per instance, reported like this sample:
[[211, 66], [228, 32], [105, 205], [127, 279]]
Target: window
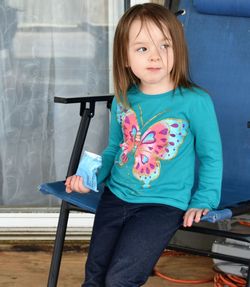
[[59, 49]]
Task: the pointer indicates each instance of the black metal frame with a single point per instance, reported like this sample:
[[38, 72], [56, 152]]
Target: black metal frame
[[217, 233], [87, 112]]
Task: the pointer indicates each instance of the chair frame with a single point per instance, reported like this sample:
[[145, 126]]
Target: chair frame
[[87, 112]]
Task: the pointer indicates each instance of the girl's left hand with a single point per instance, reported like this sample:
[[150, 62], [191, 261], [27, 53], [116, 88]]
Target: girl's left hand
[[193, 215]]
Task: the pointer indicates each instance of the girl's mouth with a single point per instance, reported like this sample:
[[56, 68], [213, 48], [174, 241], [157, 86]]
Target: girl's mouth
[[153, 69]]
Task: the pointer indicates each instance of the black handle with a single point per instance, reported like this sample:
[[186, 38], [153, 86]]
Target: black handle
[[91, 100]]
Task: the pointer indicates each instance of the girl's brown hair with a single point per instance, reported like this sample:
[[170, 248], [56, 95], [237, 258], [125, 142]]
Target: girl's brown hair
[[162, 18]]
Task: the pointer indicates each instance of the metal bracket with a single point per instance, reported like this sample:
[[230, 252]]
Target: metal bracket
[[86, 102]]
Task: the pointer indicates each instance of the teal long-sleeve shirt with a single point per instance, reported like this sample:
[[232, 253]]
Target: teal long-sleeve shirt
[[153, 144]]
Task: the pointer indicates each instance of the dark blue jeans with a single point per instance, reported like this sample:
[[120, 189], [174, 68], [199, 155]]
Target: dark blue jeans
[[127, 241]]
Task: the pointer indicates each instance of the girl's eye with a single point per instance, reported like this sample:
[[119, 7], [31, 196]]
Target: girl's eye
[[164, 46], [142, 49]]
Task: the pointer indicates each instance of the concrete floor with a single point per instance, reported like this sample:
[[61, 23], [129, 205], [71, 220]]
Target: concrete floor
[[30, 269]]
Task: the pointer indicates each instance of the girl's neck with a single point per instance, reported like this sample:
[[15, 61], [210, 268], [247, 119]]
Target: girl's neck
[[156, 89]]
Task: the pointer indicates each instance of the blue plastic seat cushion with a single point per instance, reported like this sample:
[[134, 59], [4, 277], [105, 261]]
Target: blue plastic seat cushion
[[86, 201]]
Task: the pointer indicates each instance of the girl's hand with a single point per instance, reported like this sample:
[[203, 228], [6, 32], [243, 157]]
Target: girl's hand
[[75, 183], [193, 215]]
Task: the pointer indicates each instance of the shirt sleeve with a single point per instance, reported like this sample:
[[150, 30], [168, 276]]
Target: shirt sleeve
[[109, 154], [204, 126]]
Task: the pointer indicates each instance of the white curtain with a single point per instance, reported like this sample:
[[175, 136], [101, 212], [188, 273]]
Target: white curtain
[[47, 49]]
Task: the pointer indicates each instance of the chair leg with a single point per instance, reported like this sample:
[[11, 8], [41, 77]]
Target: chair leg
[[58, 246], [248, 276]]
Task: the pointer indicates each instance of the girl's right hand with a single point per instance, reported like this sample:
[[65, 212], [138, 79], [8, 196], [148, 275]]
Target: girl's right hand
[[75, 183]]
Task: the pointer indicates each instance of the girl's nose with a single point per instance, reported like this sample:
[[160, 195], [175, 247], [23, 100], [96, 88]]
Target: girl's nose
[[154, 56]]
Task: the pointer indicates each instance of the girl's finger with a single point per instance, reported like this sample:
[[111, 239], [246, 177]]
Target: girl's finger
[[198, 215], [205, 211], [189, 217], [82, 188], [72, 183], [67, 184]]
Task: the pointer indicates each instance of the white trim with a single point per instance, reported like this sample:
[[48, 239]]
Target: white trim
[[41, 220], [42, 226]]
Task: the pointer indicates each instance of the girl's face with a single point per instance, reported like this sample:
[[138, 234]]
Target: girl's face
[[150, 57]]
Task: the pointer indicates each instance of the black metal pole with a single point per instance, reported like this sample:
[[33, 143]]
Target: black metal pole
[[79, 142], [64, 212], [248, 276], [58, 246]]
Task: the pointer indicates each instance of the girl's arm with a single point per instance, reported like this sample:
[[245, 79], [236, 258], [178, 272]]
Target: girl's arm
[[204, 126], [115, 138]]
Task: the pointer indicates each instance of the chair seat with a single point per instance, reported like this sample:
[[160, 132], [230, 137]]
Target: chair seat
[[86, 201]]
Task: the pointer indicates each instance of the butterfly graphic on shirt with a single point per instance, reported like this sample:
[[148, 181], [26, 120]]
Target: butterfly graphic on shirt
[[160, 141]]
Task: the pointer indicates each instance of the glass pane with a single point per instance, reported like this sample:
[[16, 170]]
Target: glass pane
[[59, 49]]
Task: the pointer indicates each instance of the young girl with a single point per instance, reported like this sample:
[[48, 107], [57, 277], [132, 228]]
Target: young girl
[[160, 120]]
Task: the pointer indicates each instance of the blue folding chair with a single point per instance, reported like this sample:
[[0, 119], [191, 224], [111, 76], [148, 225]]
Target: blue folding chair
[[218, 37]]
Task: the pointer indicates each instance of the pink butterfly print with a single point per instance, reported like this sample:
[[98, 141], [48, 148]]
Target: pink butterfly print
[[160, 142], [131, 134]]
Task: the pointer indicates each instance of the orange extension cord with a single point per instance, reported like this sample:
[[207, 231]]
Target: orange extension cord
[[180, 281], [246, 223], [220, 279]]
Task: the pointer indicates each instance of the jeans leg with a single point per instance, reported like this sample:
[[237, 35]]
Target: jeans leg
[[107, 226], [143, 239]]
